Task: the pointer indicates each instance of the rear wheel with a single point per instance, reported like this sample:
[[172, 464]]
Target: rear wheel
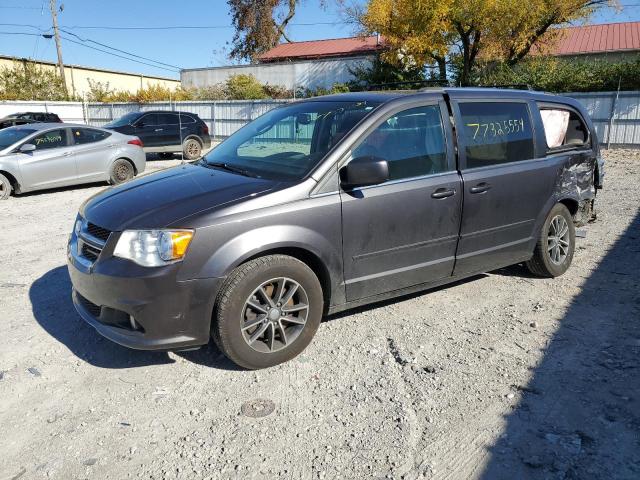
[[267, 311], [554, 250], [192, 149], [5, 187], [121, 171]]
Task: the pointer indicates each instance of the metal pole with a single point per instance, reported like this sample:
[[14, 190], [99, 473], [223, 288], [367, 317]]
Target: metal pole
[[56, 34], [613, 111]]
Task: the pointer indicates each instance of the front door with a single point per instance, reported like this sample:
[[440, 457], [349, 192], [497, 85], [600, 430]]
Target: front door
[[505, 186], [170, 134], [51, 164], [403, 232], [148, 130]]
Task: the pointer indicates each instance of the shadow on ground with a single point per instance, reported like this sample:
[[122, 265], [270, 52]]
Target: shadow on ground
[[579, 417], [53, 309]]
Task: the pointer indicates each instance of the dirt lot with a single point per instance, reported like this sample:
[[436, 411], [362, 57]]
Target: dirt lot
[[501, 376]]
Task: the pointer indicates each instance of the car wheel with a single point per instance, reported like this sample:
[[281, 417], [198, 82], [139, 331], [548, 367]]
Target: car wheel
[[121, 171], [192, 149], [554, 249], [267, 311], [5, 187]]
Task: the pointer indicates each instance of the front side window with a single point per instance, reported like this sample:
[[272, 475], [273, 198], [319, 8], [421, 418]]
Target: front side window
[[148, 120], [288, 142], [9, 136], [87, 135], [563, 128], [495, 132], [412, 142], [127, 119], [51, 139]]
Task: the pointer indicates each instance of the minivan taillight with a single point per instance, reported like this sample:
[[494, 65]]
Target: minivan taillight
[[136, 141], [205, 129]]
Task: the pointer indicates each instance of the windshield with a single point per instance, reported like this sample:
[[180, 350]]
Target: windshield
[[288, 142], [11, 135], [124, 120]]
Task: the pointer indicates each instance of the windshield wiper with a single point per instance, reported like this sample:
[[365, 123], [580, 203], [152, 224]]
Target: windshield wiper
[[228, 167]]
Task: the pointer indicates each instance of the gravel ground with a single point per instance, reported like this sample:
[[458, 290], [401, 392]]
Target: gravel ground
[[500, 376]]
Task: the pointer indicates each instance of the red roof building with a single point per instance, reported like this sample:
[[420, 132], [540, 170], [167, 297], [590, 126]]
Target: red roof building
[[316, 49], [607, 38]]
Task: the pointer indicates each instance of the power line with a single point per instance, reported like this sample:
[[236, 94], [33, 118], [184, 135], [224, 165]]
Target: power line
[[118, 50], [185, 27], [174, 70]]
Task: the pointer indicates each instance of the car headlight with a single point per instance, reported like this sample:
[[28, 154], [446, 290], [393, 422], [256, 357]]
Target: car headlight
[[77, 226], [153, 248]]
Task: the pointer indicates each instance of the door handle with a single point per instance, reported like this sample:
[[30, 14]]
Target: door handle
[[443, 193], [67, 154], [158, 129], [480, 188]]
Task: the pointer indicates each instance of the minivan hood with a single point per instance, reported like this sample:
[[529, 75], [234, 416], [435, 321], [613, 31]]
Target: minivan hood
[[162, 199]]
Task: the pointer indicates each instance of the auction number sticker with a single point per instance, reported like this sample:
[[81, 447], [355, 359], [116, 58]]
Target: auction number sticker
[[497, 128], [49, 139]]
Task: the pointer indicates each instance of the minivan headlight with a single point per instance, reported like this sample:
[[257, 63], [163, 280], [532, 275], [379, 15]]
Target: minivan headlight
[[153, 248]]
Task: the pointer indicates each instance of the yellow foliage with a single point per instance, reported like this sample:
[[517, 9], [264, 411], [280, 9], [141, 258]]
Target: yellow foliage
[[419, 31]]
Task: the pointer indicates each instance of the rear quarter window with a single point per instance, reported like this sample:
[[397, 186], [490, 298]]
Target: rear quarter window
[[494, 133], [563, 128]]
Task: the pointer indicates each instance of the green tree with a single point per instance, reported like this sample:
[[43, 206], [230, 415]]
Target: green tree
[[29, 81]]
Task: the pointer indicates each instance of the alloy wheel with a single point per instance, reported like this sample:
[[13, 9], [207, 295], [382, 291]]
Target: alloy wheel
[[558, 239], [274, 315]]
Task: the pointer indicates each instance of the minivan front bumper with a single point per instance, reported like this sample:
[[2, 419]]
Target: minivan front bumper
[[142, 308]]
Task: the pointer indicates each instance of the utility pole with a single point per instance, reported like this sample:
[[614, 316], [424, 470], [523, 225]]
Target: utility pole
[[56, 34]]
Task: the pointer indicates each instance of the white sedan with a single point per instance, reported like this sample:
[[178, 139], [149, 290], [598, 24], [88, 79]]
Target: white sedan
[[48, 155]]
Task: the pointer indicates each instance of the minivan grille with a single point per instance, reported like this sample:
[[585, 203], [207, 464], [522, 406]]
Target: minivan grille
[[90, 252], [98, 232]]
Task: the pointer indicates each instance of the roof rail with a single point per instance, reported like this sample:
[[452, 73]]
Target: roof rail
[[514, 86], [415, 83]]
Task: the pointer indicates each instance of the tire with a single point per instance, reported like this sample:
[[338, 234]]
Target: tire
[[121, 171], [5, 187], [274, 274], [165, 155], [555, 260], [192, 149]]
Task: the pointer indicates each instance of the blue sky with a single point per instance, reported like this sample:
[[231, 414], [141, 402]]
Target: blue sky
[[181, 48]]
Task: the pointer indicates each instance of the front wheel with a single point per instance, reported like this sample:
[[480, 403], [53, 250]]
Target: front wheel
[[121, 171], [556, 244], [267, 311], [5, 187]]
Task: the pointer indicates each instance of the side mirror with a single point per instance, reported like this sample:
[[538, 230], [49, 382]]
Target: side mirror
[[363, 171], [27, 147]]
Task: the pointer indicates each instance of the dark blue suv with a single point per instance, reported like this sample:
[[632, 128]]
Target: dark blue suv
[[166, 132]]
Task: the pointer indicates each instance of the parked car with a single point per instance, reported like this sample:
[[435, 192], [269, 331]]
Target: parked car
[[7, 122], [37, 117], [327, 204], [47, 155], [166, 132]]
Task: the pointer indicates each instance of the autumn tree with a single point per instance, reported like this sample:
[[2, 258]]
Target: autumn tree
[[259, 25], [434, 31]]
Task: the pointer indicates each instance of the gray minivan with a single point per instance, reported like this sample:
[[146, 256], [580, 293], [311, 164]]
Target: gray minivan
[[329, 203]]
